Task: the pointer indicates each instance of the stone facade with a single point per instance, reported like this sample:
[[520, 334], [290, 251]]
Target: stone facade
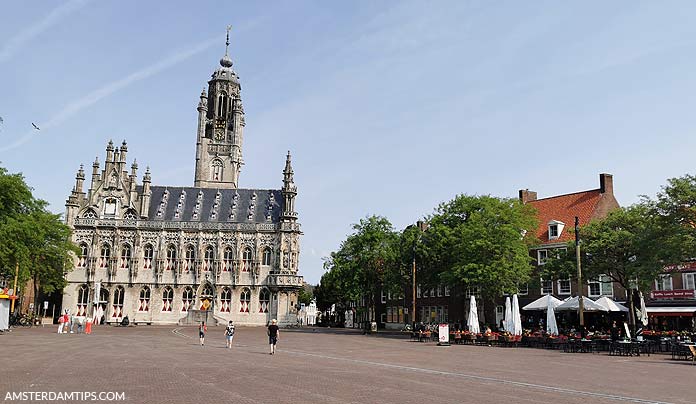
[[158, 254]]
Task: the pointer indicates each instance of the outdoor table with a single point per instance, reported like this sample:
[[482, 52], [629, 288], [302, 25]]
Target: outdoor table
[[585, 345], [629, 348]]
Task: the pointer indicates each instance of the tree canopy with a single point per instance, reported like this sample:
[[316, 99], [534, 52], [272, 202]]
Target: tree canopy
[[365, 263], [480, 241], [621, 246], [31, 237]]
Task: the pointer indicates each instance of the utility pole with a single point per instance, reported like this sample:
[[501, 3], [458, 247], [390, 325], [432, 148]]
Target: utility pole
[[581, 313], [422, 226], [413, 277], [14, 289]]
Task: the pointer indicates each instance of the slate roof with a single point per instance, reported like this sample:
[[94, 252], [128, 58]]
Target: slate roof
[[564, 208], [190, 204]]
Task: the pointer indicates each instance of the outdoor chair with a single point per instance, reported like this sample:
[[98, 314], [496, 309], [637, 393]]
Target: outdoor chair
[[680, 352], [614, 348]]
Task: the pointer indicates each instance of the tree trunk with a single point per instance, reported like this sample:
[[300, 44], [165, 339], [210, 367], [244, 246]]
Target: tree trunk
[[36, 293]]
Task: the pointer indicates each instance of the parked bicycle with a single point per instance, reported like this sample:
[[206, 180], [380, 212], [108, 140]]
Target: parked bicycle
[[21, 320]]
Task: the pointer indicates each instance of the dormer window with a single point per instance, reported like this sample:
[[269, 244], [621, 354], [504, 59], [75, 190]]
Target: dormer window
[[555, 229]]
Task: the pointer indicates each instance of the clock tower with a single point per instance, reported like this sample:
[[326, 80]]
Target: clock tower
[[220, 129]]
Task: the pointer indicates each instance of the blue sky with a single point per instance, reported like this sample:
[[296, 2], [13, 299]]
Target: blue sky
[[388, 108]]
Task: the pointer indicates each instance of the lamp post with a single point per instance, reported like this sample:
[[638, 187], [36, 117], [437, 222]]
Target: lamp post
[[581, 314], [422, 226]]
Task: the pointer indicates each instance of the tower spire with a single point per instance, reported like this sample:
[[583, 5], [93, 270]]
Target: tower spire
[[226, 61], [227, 42]]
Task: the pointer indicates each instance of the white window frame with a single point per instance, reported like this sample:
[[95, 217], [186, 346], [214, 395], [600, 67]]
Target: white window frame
[[660, 282], [601, 282], [523, 291], [447, 290], [540, 260], [553, 228], [418, 291], [685, 280], [383, 297], [541, 289], [560, 289], [472, 291], [439, 290]]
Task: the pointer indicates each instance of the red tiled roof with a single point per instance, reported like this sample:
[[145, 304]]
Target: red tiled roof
[[564, 208]]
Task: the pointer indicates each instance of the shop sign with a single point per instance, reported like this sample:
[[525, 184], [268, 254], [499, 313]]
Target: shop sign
[[673, 294]]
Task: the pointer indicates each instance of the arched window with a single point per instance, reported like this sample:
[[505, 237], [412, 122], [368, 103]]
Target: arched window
[[104, 256], [82, 258], [264, 300], [125, 257], [89, 214], [208, 290], [171, 258], [82, 300], [144, 300], [117, 312], [223, 104], [244, 299], [190, 261], [148, 256], [246, 260], [266, 256], [187, 298], [209, 258], [225, 300], [216, 170], [228, 260], [167, 298]]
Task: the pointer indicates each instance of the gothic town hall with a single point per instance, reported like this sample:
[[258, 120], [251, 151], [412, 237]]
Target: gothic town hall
[[176, 254]]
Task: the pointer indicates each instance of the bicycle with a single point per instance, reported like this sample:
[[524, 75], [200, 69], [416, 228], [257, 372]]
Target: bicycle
[[21, 320]]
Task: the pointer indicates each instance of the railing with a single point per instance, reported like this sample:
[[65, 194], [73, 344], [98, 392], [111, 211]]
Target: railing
[[150, 224], [284, 280]]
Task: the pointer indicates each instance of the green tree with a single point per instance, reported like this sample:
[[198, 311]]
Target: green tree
[[624, 246], [31, 237], [480, 241], [306, 295], [365, 264], [675, 210]]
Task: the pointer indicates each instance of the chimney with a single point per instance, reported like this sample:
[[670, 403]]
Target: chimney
[[527, 195], [606, 184]]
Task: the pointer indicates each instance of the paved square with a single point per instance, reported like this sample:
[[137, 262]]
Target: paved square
[[165, 364]]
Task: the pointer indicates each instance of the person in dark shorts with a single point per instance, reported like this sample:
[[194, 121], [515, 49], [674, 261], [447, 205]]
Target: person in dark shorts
[[201, 332], [273, 334], [229, 334]]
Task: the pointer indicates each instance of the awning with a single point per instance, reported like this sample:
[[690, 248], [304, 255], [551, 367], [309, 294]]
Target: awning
[[686, 311]]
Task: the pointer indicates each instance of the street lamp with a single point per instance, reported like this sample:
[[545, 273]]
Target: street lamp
[[581, 313], [422, 226]]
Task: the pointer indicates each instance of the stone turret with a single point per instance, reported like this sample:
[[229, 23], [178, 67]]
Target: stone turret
[[147, 193], [289, 191]]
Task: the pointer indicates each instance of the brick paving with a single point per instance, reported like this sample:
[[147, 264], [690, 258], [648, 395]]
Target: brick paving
[[154, 364]]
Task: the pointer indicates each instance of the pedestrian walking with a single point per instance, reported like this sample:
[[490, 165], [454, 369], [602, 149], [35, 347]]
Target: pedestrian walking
[[229, 334], [61, 323], [201, 332], [273, 335]]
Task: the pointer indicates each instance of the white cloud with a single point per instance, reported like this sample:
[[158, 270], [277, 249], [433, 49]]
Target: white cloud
[[92, 98], [57, 14]]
